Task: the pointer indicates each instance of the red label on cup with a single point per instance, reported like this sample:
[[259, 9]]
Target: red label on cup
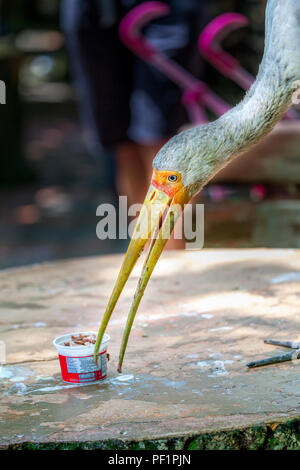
[[83, 369]]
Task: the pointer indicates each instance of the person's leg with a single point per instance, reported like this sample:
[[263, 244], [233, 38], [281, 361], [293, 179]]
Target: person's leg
[[101, 67], [147, 153], [131, 175]]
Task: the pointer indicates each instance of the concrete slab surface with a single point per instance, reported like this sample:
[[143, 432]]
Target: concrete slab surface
[[185, 383]]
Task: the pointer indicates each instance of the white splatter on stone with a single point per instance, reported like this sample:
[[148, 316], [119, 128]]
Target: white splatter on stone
[[218, 369], [221, 328], [40, 324], [18, 379], [5, 372], [124, 378], [197, 392], [17, 388], [173, 383], [15, 373], [287, 277], [203, 364], [62, 387], [216, 355]]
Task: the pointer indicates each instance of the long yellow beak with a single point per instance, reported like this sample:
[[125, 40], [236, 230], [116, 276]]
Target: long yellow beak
[[158, 216]]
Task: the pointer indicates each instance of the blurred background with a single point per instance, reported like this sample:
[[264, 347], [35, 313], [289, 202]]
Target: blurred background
[[51, 182]]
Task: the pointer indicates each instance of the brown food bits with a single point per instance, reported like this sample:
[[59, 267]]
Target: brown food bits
[[81, 340]]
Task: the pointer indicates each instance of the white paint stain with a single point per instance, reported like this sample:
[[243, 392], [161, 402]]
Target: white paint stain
[[40, 324], [173, 383], [60, 387], [15, 373], [216, 355], [18, 379], [190, 314], [197, 392], [123, 378], [221, 328], [161, 316], [203, 364], [41, 378], [5, 372], [287, 277], [17, 388], [218, 369]]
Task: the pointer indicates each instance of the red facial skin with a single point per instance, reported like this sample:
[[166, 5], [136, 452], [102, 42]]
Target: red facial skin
[[175, 190]]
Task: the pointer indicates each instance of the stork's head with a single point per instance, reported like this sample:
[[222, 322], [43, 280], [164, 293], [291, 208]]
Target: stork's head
[[180, 170], [191, 155]]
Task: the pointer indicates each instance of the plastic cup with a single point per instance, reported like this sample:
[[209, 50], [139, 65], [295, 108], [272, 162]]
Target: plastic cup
[[77, 362]]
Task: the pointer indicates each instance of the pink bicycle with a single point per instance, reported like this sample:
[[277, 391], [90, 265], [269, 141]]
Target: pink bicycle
[[210, 46], [196, 95]]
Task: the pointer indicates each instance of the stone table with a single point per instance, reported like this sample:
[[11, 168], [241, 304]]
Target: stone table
[[185, 383]]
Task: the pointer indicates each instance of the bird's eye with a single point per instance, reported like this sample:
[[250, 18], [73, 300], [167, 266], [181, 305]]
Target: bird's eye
[[172, 178]]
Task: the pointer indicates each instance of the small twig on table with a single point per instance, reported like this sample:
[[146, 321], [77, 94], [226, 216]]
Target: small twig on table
[[284, 344], [293, 355]]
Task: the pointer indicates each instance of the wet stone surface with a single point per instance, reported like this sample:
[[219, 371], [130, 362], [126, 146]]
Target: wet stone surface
[[185, 383]]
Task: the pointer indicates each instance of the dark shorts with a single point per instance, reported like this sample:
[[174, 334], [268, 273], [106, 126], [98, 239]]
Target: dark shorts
[[123, 98]]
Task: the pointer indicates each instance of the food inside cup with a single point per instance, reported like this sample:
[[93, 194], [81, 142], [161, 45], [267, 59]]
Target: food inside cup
[[81, 340]]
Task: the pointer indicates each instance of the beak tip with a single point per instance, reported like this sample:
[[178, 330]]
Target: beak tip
[[119, 369]]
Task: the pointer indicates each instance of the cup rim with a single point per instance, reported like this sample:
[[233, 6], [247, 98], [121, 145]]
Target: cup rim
[[56, 344]]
